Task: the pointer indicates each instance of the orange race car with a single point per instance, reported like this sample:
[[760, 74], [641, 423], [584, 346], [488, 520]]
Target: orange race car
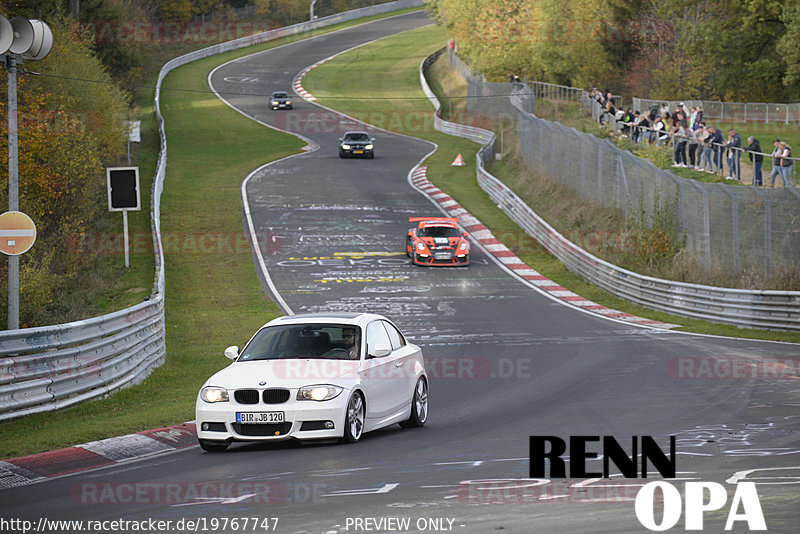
[[437, 241]]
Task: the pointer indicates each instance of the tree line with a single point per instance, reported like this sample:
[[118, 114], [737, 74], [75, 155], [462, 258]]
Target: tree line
[[731, 50]]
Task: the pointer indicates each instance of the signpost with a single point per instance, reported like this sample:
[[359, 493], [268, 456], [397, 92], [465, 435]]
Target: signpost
[[123, 195], [28, 39], [134, 135]]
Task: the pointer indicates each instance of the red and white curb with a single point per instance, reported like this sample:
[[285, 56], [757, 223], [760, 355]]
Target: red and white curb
[[297, 82], [298, 85], [484, 236], [27, 469]]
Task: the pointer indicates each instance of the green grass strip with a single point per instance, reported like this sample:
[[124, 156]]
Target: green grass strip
[[213, 295], [389, 93]]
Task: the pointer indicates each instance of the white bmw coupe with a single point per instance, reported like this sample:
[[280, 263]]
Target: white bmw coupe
[[314, 376]]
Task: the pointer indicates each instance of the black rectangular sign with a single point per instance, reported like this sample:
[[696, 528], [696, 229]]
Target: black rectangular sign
[[123, 188]]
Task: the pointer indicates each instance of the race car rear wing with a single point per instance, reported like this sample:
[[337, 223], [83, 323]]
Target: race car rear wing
[[442, 219]]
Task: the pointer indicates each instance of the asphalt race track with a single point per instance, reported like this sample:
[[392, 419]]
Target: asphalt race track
[[505, 363]]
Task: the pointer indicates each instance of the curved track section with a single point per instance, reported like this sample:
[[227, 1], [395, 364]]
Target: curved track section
[[505, 363]]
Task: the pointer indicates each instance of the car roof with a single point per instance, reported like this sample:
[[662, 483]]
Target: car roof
[[358, 319], [280, 93], [359, 132]]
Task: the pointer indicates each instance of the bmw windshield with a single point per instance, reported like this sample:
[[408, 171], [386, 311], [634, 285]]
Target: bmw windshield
[[314, 341]]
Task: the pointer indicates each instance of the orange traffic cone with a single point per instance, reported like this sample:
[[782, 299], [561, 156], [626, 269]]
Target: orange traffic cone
[[459, 161]]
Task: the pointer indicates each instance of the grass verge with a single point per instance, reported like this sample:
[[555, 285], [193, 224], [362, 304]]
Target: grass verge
[[213, 295], [389, 91]]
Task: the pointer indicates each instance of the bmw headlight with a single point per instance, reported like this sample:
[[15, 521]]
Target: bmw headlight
[[368, 147], [288, 102], [346, 147], [420, 245], [318, 393], [275, 102], [463, 245], [214, 394]]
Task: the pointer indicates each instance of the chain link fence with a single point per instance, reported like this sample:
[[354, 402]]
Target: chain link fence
[[726, 227], [732, 111]]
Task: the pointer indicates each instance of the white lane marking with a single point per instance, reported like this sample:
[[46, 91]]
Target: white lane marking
[[386, 488]]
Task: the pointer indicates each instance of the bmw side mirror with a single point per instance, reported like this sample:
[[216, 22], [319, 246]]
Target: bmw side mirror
[[232, 352], [380, 352]]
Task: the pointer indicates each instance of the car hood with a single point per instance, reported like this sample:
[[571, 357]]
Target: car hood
[[287, 373], [441, 241]]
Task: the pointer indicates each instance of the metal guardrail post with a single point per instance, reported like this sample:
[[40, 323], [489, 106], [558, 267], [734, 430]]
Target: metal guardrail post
[[767, 228]]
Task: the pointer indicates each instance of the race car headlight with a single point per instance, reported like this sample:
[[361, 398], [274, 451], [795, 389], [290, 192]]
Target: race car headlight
[[420, 246], [275, 102], [346, 147], [463, 245], [318, 393], [368, 147], [288, 102], [214, 394]]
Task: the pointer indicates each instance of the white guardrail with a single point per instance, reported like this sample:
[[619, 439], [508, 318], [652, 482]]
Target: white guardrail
[[53, 367], [774, 310]]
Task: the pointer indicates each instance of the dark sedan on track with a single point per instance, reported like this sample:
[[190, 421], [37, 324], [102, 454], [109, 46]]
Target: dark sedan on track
[[280, 100], [356, 145]]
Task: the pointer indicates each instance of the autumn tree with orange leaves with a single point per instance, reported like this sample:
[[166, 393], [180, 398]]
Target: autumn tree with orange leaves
[[70, 121]]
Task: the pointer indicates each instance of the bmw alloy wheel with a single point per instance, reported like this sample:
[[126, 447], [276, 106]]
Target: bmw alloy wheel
[[354, 420], [419, 405]]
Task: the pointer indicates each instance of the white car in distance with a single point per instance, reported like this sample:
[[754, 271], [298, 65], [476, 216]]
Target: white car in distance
[[311, 377]]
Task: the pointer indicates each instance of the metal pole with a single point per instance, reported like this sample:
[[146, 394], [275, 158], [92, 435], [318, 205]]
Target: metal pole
[[311, 14], [13, 189], [125, 237]]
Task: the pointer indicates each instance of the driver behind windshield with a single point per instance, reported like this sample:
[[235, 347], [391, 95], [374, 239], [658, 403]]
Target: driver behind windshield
[[349, 341]]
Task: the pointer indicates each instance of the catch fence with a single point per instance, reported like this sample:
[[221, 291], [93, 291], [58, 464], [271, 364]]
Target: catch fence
[[729, 226]]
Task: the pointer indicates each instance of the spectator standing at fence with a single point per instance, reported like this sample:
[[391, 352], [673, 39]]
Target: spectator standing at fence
[[691, 138], [678, 133], [611, 111], [786, 164], [660, 132], [734, 146], [718, 142], [698, 118], [664, 110], [776, 162], [641, 128], [753, 146], [627, 121], [708, 149], [692, 118], [701, 136]]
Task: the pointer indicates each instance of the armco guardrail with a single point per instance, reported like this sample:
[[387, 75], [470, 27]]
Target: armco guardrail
[[776, 310], [52, 367]]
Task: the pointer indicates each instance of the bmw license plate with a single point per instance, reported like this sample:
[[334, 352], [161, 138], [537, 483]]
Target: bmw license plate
[[358, 151], [259, 417], [443, 256]]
